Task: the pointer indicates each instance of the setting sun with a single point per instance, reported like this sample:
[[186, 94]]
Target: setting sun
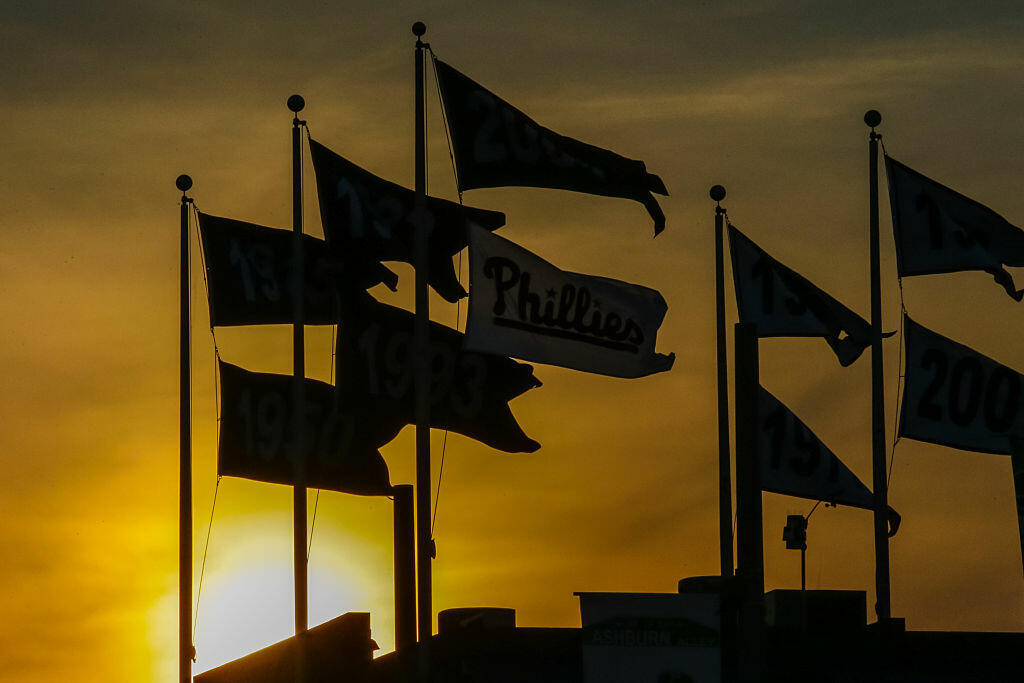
[[108, 103], [247, 600]]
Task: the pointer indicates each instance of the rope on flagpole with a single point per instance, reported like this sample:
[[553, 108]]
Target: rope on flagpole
[[900, 378], [444, 118], [458, 304], [206, 550], [216, 412], [312, 525], [316, 501], [728, 224], [900, 369]]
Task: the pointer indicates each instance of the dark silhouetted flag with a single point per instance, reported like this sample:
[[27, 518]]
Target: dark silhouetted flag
[[369, 219], [783, 303], [469, 391], [522, 306], [795, 462], [938, 230], [257, 432], [1017, 458], [956, 397], [496, 145], [248, 274]]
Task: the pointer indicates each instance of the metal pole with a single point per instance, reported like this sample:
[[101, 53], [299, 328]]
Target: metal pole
[[405, 568], [724, 474], [803, 568], [186, 650], [749, 541], [882, 598], [803, 588], [424, 543], [296, 104]]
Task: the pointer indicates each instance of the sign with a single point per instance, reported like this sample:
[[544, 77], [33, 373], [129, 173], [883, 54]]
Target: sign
[[956, 397], [369, 219], [469, 391], [257, 435], [939, 230], [651, 637], [496, 145], [523, 306], [783, 303], [249, 274]]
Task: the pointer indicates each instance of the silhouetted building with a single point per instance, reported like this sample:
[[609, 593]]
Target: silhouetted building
[[812, 637]]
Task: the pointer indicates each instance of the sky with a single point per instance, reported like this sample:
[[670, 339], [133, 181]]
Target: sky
[[106, 103]]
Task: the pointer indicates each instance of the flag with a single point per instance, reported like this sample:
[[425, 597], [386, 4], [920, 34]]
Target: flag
[[1017, 460], [257, 432], [370, 219], [956, 397], [496, 145], [248, 274], [783, 303], [522, 306], [794, 462], [938, 230], [469, 391]]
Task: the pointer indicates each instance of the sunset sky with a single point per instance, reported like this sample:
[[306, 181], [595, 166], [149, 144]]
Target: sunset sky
[[107, 102]]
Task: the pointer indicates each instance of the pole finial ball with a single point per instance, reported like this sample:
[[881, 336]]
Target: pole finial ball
[[717, 193], [872, 118], [296, 103], [419, 28], [183, 183]]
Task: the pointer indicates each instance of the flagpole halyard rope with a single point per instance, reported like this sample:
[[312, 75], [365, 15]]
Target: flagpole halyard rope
[[728, 224], [444, 118], [206, 550], [312, 525], [458, 304], [900, 375], [216, 411], [316, 501]]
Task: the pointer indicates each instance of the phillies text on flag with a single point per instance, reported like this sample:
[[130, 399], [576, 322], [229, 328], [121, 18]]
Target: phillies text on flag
[[783, 303], [939, 230], [522, 306], [257, 435], [469, 391], [249, 274], [496, 145], [370, 219], [956, 397]]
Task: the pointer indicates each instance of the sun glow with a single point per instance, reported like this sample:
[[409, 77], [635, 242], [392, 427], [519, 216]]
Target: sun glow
[[247, 599]]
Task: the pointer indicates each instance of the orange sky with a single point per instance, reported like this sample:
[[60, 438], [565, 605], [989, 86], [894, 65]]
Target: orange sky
[[107, 102]]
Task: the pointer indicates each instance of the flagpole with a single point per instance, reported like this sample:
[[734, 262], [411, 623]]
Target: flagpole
[[421, 346], [405, 568], [724, 474], [880, 485], [185, 645], [749, 522], [296, 104]]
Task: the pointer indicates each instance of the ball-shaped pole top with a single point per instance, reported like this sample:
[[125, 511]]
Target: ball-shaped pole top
[[872, 118], [418, 29], [183, 183], [717, 193], [296, 103]]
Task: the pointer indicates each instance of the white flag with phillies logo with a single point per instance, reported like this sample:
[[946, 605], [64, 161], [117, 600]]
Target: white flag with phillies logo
[[522, 306]]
